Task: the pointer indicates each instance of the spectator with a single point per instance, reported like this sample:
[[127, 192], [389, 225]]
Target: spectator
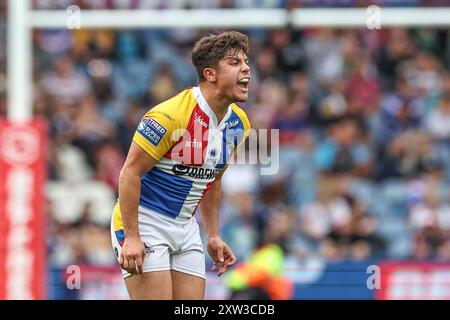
[[90, 129], [362, 88], [340, 151], [400, 47], [65, 82], [339, 224], [438, 121], [401, 111], [431, 221]]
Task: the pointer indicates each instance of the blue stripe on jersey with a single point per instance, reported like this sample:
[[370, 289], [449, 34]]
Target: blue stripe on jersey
[[120, 235], [163, 192], [232, 135]]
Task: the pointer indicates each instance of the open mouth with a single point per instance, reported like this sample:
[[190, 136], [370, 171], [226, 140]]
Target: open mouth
[[244, 83]]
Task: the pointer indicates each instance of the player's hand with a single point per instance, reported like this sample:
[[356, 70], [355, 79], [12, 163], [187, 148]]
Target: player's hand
[[221, 254], [132, 255]]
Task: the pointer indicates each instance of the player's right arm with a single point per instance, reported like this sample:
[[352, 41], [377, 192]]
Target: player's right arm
[[152, 139], [138, 162]]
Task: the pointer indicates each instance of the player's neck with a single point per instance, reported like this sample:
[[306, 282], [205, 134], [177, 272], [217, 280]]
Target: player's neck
[[216, 100]]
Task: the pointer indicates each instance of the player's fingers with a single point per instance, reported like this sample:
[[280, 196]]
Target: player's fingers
[[131, 265], [220, 253], [121, 260], [126, 265], [222, 269], [124, 262], [231, 260], [139, 265], [228, 263], [227, 249], [214, 267]]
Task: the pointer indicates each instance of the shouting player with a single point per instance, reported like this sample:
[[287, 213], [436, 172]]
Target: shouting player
[[175, 163]]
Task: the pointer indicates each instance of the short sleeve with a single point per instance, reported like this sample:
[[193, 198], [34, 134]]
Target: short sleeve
[[236, 136], [246, 127], [154, 133]]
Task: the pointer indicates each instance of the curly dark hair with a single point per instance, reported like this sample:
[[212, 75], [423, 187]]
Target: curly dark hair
[[209, 50]]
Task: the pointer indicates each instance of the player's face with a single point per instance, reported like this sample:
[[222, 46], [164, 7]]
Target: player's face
[[233, 76]]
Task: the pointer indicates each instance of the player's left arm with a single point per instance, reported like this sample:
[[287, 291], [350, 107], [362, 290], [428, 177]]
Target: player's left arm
[[221, 254]]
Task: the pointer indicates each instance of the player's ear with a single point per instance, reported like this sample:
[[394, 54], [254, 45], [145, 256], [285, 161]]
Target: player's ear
[[210, 74]]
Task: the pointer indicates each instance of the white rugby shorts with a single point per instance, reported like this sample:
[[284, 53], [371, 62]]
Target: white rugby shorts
[[171, 244]]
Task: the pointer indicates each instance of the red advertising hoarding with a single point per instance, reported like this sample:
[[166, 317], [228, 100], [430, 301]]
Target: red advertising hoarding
[[409, 280], [22, 235]]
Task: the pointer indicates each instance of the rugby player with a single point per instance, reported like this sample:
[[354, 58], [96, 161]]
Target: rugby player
[[175, 163]]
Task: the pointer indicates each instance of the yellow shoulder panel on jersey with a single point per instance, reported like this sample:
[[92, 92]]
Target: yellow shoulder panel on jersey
[[158, 130], [243, 116]]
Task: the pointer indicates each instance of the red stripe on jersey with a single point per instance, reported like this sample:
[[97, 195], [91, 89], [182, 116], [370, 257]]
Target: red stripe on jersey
[[191, 148]]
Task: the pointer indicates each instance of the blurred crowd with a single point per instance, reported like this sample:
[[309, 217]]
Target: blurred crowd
[[364, 120]]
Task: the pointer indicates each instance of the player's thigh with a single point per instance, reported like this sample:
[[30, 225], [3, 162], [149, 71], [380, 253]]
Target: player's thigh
[[188, 266], [155, 285], [187, 287], [156, 282], [188, 274]]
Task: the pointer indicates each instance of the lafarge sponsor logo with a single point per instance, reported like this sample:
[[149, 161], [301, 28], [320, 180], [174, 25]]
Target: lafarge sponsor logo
[[194, 172]]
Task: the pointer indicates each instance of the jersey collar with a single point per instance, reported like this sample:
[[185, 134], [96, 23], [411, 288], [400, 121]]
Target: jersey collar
[[207, 109]]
